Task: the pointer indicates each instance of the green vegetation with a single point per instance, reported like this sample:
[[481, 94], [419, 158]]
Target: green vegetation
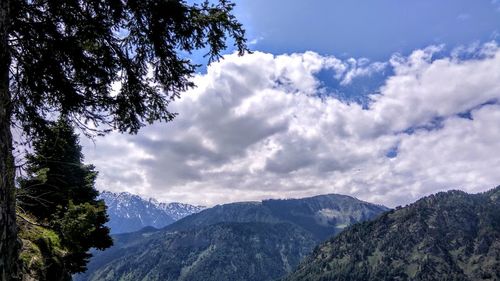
[[64, 58], [241, 241], [42, 254], [322, 216], [61, 217], [447, 236], [219, 252], [56, 174]]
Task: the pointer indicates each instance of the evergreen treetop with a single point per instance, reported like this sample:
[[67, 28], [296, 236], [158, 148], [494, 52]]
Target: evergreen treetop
[[59, 192], [63, 58]]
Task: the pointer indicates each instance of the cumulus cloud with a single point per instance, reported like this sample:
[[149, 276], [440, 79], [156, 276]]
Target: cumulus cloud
[[256, 127], [360, 68]]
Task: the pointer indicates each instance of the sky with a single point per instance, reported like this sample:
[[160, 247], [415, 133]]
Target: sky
[[383, 100]]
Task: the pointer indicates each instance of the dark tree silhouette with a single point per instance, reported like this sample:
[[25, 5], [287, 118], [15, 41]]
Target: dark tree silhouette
[[64, 57], [56, 173], [59, 191]]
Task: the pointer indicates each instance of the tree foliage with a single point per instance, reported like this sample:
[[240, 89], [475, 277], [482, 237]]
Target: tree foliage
[[81, 227], [56, 173], [104, 65], [59, 192], [68, 55]]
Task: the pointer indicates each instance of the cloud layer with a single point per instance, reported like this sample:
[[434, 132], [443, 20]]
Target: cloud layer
[[262, 126]]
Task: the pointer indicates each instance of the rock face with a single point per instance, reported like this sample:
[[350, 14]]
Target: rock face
[[447, 236], [128, 212], [240, 241]]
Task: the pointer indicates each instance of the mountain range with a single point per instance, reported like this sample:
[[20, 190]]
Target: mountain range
[[447, 236], [240, 241], [128, 212]]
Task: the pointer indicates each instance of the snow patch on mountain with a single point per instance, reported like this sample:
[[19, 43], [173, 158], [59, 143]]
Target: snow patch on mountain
[[129, 212]]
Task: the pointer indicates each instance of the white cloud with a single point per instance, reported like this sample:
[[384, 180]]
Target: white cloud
[[360, 68], [255, 40], [422, 89], [255, 128]]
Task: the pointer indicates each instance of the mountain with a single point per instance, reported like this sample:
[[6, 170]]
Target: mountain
[[446, 236], [239, 241], [128, 212], [322, 216]]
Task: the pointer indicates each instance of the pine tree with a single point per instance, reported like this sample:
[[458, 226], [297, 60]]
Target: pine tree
[[59, 191], [56, 173], [64, 57]]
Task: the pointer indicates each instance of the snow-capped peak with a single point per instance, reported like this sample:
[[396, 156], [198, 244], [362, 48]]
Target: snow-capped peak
[[129, 212]]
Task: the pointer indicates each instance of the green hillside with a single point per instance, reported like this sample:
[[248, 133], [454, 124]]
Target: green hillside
[[226, 251], [447, 236], [241, 241]]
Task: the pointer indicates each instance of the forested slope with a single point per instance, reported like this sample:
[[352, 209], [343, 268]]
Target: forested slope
[[446, 236]]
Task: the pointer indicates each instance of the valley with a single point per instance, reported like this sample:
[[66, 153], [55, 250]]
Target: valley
[[240, 241]]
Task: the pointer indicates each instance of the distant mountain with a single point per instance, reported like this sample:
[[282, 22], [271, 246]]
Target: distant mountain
[[447, 236], [241, 241], [322, 216], [128, 212]]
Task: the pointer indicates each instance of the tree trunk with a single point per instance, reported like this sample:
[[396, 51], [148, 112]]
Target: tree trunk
[[9, 246]]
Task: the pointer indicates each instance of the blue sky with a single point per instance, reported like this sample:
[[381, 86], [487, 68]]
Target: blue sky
[[371, 29], [384, 100], [375, 30]]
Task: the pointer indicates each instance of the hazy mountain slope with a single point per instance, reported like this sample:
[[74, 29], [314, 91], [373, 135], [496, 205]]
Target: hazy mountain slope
[[121, 242], [239, 241], [128, 212], [447, 236], [322, 215], [225, 251]]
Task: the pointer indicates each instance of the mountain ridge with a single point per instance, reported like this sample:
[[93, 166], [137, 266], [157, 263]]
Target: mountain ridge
[[306, 212], [445, 236], [265, 240], [129, 212]]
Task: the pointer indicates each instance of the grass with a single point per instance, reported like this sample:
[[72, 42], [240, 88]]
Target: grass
[[39, 245]]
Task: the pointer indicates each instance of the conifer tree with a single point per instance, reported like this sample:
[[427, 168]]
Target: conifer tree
[[56, 173], [64, 58], [59, 191]]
